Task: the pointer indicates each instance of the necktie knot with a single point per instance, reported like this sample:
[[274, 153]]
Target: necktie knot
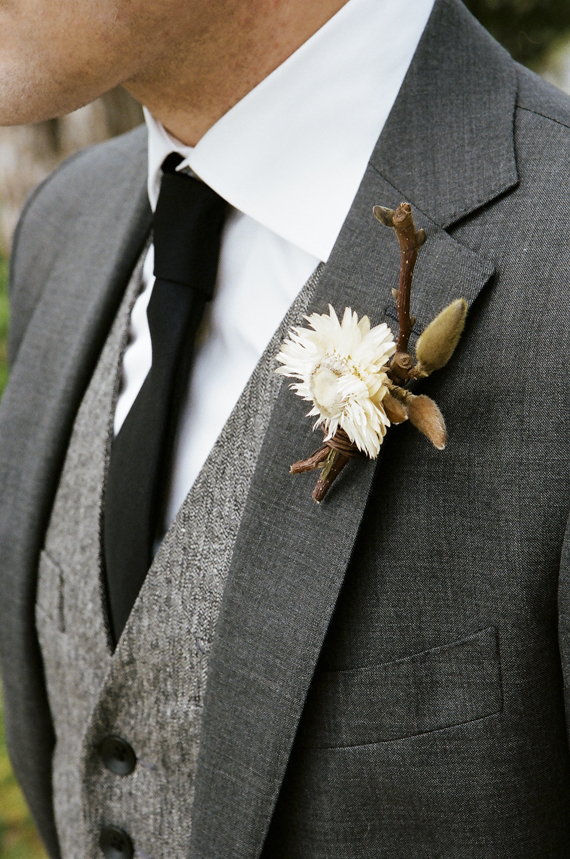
[[171, 162], [187, 226]]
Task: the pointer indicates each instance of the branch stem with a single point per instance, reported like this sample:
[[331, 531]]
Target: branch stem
[[404, 227], [410, 240], [315, 460], [335, 463], [331, 458]]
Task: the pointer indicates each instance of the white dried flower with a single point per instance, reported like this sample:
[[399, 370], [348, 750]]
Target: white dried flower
[[341, 370]]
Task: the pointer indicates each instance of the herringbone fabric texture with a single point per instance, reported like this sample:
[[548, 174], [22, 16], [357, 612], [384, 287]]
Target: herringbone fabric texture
[[150, 691]]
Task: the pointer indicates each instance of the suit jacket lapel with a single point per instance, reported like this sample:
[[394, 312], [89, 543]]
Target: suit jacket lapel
[[448, 143], [291, 555], [63, 339], [56, 342]]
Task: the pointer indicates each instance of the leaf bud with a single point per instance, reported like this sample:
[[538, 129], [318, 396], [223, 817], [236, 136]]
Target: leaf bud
[[425, 415], [395, 410], [437, 343]]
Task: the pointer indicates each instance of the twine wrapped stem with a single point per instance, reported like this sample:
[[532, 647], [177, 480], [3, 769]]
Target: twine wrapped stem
[[331, 458]]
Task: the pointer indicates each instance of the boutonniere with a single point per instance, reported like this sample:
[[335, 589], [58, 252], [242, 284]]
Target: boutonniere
[[357, 377]]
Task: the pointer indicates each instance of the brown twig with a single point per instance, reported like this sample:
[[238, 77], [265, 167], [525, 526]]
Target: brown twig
[[313, 461], [331, 457], [410, 240], [335, 463]]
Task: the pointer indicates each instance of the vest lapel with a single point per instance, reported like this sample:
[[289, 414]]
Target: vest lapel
[[291, 555]]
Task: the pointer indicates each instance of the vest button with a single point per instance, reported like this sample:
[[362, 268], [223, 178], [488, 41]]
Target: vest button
[[115, 843], [117, 755]]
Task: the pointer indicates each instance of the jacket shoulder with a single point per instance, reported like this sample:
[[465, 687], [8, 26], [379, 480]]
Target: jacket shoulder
[[537, 96], [63, 209], [542, 145], [83, 178]]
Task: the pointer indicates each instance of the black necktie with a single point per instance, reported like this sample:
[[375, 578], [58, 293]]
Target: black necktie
[[187, 229]]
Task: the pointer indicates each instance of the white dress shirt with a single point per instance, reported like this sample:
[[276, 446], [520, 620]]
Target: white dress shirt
[[288, 158]]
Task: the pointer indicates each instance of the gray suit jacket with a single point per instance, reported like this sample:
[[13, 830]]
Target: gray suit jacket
[[388, 673]]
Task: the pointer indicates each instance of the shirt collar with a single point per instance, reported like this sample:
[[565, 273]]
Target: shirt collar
[[291, 154]]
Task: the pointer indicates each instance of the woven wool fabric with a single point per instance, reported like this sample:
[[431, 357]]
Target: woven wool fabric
[[390, 671], [150, 691]]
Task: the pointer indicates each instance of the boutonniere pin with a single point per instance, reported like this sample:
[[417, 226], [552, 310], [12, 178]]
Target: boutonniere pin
[[356, 376]]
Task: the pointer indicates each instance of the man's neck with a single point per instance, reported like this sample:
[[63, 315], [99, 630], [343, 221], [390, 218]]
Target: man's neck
[[204, 75]]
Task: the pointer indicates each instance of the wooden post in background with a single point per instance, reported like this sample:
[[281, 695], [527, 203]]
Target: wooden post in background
[[28, 153]]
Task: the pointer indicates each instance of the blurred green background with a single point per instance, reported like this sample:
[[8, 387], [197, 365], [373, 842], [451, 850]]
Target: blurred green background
[[527, 28], [534, 31]]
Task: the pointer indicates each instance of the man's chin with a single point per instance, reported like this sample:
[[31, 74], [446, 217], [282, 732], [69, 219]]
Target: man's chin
[[25, 101]]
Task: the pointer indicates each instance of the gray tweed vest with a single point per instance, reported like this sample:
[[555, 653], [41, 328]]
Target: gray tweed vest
[[150, 690]]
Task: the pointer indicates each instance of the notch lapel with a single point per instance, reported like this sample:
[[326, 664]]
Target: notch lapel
[[56, 351], [291, 555], [448, 143]]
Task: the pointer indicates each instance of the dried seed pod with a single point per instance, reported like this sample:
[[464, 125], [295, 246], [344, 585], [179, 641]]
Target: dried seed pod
[[437, 343], [394, 409], [426, 416]]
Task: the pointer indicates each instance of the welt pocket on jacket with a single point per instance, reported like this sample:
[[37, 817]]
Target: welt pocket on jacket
[[428, 691], [50, 593]]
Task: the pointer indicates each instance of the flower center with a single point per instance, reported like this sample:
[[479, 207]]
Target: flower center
[[325, 387]]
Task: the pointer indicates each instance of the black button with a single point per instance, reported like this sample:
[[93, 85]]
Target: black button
[[117, 755], [115, 843]]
